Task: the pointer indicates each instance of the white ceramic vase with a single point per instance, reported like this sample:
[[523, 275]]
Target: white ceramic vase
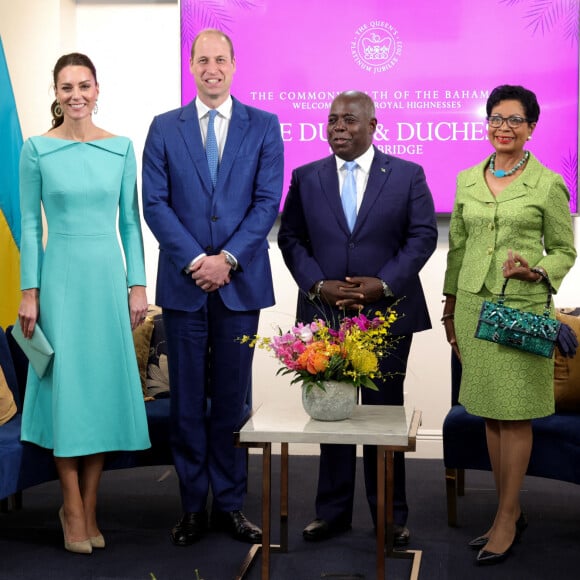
[[335, 403]]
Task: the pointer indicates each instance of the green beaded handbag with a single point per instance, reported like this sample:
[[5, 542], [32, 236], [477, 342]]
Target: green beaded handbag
[[535, 333]]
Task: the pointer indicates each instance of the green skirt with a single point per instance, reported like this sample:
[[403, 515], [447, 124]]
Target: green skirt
[[500, 382]]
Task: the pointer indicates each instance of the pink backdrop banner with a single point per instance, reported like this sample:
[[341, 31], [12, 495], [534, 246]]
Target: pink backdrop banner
[[429, 67]]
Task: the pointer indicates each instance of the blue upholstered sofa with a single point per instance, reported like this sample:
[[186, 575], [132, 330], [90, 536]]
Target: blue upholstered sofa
[[23, 465], [555, 452]]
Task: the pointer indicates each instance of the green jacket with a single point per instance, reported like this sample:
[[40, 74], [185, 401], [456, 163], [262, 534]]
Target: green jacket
[[531, 216]]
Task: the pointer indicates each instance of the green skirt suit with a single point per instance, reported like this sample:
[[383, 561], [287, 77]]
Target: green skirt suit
[[531, 216], [91, 400]]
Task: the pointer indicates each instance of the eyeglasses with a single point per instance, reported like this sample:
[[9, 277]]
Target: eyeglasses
[[496, 121]]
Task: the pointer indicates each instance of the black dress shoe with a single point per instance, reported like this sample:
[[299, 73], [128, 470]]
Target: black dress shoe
[[189, 529], [237, 525], [401, 536], [318, 530]]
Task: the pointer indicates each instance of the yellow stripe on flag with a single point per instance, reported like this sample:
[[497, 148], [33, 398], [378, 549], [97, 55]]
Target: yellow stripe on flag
[[10, 145], [9, 275]]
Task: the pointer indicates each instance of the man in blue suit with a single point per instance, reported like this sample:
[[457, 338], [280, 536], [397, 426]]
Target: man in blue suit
[[367, 265], [212, 185]]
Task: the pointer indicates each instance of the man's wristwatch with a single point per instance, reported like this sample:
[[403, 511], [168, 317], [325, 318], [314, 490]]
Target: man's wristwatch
[[231, 261], [386, 290]]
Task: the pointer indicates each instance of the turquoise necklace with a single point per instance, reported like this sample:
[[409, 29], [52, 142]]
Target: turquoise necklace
[[501, 172]]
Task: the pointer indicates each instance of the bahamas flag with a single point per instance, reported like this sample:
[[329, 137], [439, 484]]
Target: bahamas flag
[[10, 145]]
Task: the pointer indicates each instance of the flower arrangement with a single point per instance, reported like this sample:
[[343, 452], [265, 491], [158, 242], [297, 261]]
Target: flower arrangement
[[317, 352]]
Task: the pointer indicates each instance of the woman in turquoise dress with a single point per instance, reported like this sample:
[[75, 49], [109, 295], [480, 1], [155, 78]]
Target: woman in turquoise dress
[[90, 402], [511, 219]]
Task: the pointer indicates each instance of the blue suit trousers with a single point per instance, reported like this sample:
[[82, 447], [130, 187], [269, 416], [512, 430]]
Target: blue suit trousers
[[210, 375]]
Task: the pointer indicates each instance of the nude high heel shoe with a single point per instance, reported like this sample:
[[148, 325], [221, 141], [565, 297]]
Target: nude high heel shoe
[[82, 547], [97, 541]]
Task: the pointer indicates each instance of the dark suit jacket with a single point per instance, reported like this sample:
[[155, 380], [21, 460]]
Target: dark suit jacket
[[394, 235], [188, 219]]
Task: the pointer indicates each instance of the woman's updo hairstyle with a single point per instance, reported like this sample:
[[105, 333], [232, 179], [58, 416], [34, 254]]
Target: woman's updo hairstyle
[[72, 59]]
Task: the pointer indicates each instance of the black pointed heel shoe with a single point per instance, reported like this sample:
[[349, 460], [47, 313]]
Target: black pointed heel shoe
[[485, 558], [478, 543], [481, 541]]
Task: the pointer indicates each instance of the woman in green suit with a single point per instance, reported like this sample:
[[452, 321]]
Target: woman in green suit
[[511, 219]]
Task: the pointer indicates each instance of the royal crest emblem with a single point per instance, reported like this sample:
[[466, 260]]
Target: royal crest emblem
[[376, 46]]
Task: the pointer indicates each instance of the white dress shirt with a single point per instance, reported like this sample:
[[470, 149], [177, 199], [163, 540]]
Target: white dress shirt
[[221, 122]]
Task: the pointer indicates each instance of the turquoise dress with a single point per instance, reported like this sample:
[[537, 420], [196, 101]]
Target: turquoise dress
[[91, 400]]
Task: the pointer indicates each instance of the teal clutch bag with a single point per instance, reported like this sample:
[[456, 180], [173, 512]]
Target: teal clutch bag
[[535, 333], [37, 349]]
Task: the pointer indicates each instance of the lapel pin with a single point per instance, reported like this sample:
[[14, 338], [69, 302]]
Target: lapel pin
[[383, 170]]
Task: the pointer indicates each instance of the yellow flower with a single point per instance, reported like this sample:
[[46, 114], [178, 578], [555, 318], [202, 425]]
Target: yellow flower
[[364, 362]]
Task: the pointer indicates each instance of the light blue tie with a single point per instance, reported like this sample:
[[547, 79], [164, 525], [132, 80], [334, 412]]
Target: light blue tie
[[349, 194], [211, 148]]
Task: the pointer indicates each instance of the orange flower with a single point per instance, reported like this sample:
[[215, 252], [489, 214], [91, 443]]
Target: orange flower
[[315, 357]]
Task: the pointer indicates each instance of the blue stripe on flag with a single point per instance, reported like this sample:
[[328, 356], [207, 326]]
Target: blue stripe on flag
[[10, 146]]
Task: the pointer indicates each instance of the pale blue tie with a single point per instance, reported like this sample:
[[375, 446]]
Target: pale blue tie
[[349, 194], [211, 148]]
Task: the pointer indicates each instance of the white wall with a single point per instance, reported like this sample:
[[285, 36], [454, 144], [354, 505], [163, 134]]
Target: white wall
[[135, 47]]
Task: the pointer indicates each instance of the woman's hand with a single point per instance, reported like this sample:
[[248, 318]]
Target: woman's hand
[[28, 311], [137, 305], [517, 267]]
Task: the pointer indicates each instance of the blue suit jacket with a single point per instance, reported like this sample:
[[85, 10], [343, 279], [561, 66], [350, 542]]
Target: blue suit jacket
[[188, 219], [394, 235]]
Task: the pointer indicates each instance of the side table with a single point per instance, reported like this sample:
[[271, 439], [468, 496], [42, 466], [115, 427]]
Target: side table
[[390, 428]]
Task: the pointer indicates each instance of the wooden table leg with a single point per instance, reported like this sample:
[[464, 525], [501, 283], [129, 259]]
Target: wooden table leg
[[266, 508], [390, 498], [381, 512], [284, 497], [413, 555], [264, 547]]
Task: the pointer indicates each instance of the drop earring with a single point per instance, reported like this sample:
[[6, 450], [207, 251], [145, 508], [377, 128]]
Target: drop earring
[[96, 108], [58, 110]]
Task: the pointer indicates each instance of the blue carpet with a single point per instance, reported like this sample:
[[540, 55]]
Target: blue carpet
[[139, 506]]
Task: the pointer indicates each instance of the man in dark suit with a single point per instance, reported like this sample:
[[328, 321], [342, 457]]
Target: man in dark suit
[[367, 265], [212, 185]]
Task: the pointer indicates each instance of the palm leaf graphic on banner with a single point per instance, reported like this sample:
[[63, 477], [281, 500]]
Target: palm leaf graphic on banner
[[199, 14], [570, 174], [544, 16]]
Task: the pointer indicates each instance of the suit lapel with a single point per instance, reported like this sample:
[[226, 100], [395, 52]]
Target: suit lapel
[[331, 190], [526, 182], [191, 133], [378, 175], [475, 180], [239, 125]]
